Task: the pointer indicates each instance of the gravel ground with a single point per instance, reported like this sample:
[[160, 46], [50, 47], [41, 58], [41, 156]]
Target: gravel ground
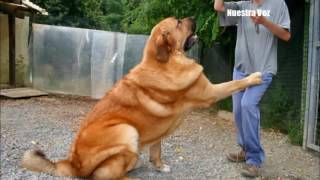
[[195, 151]]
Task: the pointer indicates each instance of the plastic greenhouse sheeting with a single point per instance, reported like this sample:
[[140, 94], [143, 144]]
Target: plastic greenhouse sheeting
[[82, 61]]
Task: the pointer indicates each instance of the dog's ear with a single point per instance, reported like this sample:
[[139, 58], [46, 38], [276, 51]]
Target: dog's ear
[[162, 47]]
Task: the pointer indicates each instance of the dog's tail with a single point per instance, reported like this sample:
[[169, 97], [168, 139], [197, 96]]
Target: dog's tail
[[35, 160]]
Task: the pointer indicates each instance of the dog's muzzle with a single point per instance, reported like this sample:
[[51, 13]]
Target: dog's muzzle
[[191, 40]]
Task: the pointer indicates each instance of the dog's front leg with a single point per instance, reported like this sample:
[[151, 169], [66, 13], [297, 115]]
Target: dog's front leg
[[207, 93], [155, 157], [226, 89]]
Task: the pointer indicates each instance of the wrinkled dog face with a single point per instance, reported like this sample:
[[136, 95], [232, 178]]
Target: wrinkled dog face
[[172, 35]]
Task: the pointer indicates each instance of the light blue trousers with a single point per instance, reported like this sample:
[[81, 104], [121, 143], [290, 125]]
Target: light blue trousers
[[247, 117]]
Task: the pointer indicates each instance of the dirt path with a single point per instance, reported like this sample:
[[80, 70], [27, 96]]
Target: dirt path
[[195, 151]]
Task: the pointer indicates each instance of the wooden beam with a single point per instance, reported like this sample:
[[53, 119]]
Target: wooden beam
[[13, 1], [18, 12], [12, 8], [12, 50]]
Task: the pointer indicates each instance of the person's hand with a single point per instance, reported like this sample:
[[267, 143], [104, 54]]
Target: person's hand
[[259, 19]]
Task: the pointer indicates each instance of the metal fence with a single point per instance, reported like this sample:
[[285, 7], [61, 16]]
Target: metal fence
[[83, 61], [311, 126]]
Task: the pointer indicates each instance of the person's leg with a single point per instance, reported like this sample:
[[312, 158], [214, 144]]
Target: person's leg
[[251, 121], [236, 107]]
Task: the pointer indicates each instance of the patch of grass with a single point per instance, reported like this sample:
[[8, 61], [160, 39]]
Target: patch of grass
[[225, 104], [295, 133], [278, 112], [281, 112]]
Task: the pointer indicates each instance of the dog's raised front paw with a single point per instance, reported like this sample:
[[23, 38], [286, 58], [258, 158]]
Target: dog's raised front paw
[[255, 78]]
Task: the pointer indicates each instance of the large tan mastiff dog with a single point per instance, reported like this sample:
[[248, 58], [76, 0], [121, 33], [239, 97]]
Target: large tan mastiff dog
[[141, 109]]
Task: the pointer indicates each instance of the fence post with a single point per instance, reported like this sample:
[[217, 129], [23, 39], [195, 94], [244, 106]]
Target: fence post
[[12, 47]]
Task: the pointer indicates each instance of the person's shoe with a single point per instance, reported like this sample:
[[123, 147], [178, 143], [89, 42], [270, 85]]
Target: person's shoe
[[237, 157], [251, 171]]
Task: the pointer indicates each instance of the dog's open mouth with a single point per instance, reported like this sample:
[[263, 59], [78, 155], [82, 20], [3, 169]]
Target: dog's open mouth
[[191, 40]]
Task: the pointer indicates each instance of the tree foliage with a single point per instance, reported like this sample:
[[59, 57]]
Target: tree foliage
[[148, 12], [93, 14], [132, 16]]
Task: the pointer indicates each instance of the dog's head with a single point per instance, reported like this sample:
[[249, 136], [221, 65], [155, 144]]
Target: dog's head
[[172, 35]]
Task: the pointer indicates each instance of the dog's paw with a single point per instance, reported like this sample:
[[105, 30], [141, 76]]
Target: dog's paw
[[164, 168], [255, 78], [138, 164]]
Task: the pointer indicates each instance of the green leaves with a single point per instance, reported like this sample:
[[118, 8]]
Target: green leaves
[[132, 16], [93, 14], [146, 14]]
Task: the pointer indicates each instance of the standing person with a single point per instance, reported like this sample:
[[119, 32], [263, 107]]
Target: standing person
[[259, 25]]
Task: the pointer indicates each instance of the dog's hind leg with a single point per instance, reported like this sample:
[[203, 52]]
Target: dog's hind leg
[[115, 167]]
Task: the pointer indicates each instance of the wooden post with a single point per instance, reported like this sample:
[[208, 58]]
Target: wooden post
[[12, 49]]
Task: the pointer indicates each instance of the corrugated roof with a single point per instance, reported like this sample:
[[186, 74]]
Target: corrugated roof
[[14, 6]]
